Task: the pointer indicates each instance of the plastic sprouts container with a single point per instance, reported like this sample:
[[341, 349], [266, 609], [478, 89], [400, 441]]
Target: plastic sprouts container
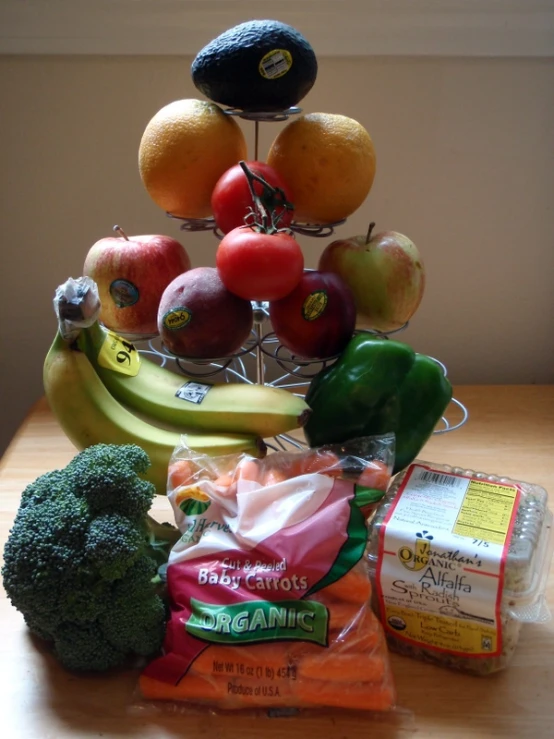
[[459, 561]]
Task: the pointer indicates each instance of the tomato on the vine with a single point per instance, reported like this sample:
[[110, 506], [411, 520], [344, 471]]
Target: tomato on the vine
[[259, 266], [232, 199]]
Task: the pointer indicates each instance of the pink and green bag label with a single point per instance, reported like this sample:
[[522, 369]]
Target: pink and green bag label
[[248, 566]]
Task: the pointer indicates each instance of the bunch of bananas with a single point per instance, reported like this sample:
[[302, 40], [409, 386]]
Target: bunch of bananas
[[95, 403]]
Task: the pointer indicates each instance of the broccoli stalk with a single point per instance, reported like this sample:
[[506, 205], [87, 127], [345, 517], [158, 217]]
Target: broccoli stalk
[[82, 558]]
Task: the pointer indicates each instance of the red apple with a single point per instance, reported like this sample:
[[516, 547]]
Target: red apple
[[317, 318], [199, 318], [131, 273], [385, 273]]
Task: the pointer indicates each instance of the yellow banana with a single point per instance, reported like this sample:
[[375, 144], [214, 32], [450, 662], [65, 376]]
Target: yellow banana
[[171, 397], [89, 414]]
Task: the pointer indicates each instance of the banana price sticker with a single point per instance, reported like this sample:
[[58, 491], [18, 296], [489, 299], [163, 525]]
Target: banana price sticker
[[119, 355]]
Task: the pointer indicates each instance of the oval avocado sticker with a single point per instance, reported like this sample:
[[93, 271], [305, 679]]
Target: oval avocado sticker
[[124, 293], [314, 305], [177, 318], [275, 64]]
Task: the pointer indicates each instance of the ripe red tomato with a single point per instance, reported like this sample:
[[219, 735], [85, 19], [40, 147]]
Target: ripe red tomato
[[232, 200], [259, 266]]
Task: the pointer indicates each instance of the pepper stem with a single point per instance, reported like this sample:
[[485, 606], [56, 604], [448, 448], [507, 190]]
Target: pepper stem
[[369, 230], [120, 231]]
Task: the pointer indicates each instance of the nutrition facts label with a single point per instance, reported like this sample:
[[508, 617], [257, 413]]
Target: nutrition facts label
[[486, 511], [440, 570]]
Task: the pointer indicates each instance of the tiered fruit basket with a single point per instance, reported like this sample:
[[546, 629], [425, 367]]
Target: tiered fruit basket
[[263, 359]]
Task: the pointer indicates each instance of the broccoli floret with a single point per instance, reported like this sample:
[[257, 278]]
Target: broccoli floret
[[85, 646], [107, 471], [43, 488], [81, 559], [138, 628], [112, 545]]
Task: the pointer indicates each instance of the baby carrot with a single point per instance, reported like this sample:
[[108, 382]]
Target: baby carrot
[[353, 587], [191, 687], [222, 691], [364, 641], [274, 476], [360, 636], [375, 475], [357, 696], [223, 481], [342, 614], [364, 637], [179, 473], [232, 661], [325, 462], [248, 469], [342, 668], [247, 692]]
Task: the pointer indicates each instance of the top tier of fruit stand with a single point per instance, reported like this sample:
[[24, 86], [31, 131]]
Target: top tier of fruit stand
[[257, 117]]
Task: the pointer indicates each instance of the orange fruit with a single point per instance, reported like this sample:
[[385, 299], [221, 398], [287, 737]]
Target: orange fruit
[[328, 160], [184, 150]]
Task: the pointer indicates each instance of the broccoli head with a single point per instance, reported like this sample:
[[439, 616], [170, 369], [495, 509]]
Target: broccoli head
[[82, 556]]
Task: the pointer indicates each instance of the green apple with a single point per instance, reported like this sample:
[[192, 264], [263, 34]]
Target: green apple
[[385, 273]]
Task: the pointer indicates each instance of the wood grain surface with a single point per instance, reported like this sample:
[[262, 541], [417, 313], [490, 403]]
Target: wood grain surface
[[510, 432]]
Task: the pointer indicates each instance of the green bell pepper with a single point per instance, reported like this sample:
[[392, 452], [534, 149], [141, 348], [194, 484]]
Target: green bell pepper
[[378, 386]]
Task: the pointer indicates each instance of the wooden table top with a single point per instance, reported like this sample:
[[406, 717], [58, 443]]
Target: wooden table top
[[510, 432]]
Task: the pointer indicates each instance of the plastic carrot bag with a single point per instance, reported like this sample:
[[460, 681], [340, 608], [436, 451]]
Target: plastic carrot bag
[[268, 588]]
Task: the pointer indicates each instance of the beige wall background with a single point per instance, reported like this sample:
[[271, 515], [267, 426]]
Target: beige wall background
[[465, 168]]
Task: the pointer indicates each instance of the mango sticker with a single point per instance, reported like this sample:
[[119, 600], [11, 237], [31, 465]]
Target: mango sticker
[[177, 318], [275, 64], [314, 305]]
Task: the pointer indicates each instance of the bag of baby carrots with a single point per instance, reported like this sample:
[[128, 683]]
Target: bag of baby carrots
[[268, 588]]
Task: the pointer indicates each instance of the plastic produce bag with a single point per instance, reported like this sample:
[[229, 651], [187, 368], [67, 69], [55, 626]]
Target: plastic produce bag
[[268, 585]]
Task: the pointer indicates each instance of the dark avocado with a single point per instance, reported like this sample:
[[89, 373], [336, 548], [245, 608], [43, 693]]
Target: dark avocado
[[260, 65]]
